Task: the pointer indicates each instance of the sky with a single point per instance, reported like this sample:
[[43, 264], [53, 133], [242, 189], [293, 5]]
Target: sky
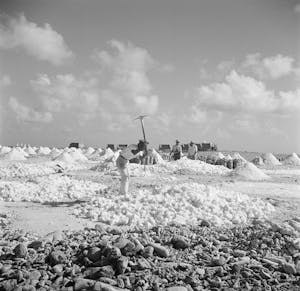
[[225, 71]]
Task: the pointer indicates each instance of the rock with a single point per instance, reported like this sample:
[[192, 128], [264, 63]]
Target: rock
[[148, 252], [143, 264], [35, 245], [177, 288], [114, 253], [204, 223], [289, 268], [108, 281], [94, 254], [239, 253], [34, 275], [122, 265], [54, 236], [83, 284], [5, 268], [20, 251], [8, 285], [106, 271], [160, 250], [58, 269], [265, 275], [218, 261], [179, 242], [57, 257], [28, 288]]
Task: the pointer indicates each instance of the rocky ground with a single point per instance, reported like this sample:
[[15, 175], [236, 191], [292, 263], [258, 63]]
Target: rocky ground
[[262, 256]]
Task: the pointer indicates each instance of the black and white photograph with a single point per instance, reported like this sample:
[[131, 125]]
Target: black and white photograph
[[149, 145]]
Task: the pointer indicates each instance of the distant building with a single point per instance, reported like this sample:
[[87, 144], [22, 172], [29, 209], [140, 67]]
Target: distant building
[[164, 148], [76, 145], [110, 146]]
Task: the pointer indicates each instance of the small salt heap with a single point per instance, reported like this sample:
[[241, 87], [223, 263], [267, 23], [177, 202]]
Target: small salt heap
[[237, 156], [96, 154], [271, 160], [65, 157], [44, 151], [258, 161], [30, 151], [89, 151], [292, 160], [157, 157], [14, 155], [249, 171], [5, 150], [55, 153], [78, 156]]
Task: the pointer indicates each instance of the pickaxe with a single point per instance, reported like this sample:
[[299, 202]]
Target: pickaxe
[[141, 118]]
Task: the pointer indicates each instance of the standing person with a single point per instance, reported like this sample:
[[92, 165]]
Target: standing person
[[192, 151], [130, 152], [176, 151]]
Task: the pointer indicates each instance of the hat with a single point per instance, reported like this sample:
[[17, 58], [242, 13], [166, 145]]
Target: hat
[[191, 142], [177, 141]]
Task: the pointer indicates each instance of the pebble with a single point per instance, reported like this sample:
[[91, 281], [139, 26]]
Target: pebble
[[160, 250]]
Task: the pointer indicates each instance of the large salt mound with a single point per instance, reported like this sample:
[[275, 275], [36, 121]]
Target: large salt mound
[[292, 160], [14, 155], [271, 160], [249, 171], [186, 204], [52, 188]]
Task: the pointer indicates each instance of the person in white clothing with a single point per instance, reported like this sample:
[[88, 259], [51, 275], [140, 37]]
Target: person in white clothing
[[130, 152], [192, 151]]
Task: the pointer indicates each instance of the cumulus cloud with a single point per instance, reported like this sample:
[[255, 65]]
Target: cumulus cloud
[[129, 66], [273, 67], [25, 113], [66, 92], [41, 42]]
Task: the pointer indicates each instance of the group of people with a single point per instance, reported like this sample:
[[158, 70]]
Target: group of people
[[176, 152], [140, 151]]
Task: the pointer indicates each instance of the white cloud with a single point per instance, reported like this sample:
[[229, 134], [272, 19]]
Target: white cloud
[[25, 113], [273, 67], [245, 94], [129, 66], [44, 43]]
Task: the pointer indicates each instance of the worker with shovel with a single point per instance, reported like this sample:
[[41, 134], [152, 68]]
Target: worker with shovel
[[131, 152], [122, 162]]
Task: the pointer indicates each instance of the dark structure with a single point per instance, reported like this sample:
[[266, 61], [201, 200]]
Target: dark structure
[[76, 145], [122, 146], [110, 146], [164, 148]]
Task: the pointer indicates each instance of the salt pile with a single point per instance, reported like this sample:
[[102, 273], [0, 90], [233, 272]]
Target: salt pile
[[249, 171], [64, 157], [14, 155], [292, 160], [237, 156], [78, 156], [55, 153], [186, 166], [25, 170], [5, 150], [183, 166], [30, 151], [52, 188], [185, 204], [228, 157], [271, 160], [258, 161], [157, 157], [89, 151], [96, 154], [43, 151]]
